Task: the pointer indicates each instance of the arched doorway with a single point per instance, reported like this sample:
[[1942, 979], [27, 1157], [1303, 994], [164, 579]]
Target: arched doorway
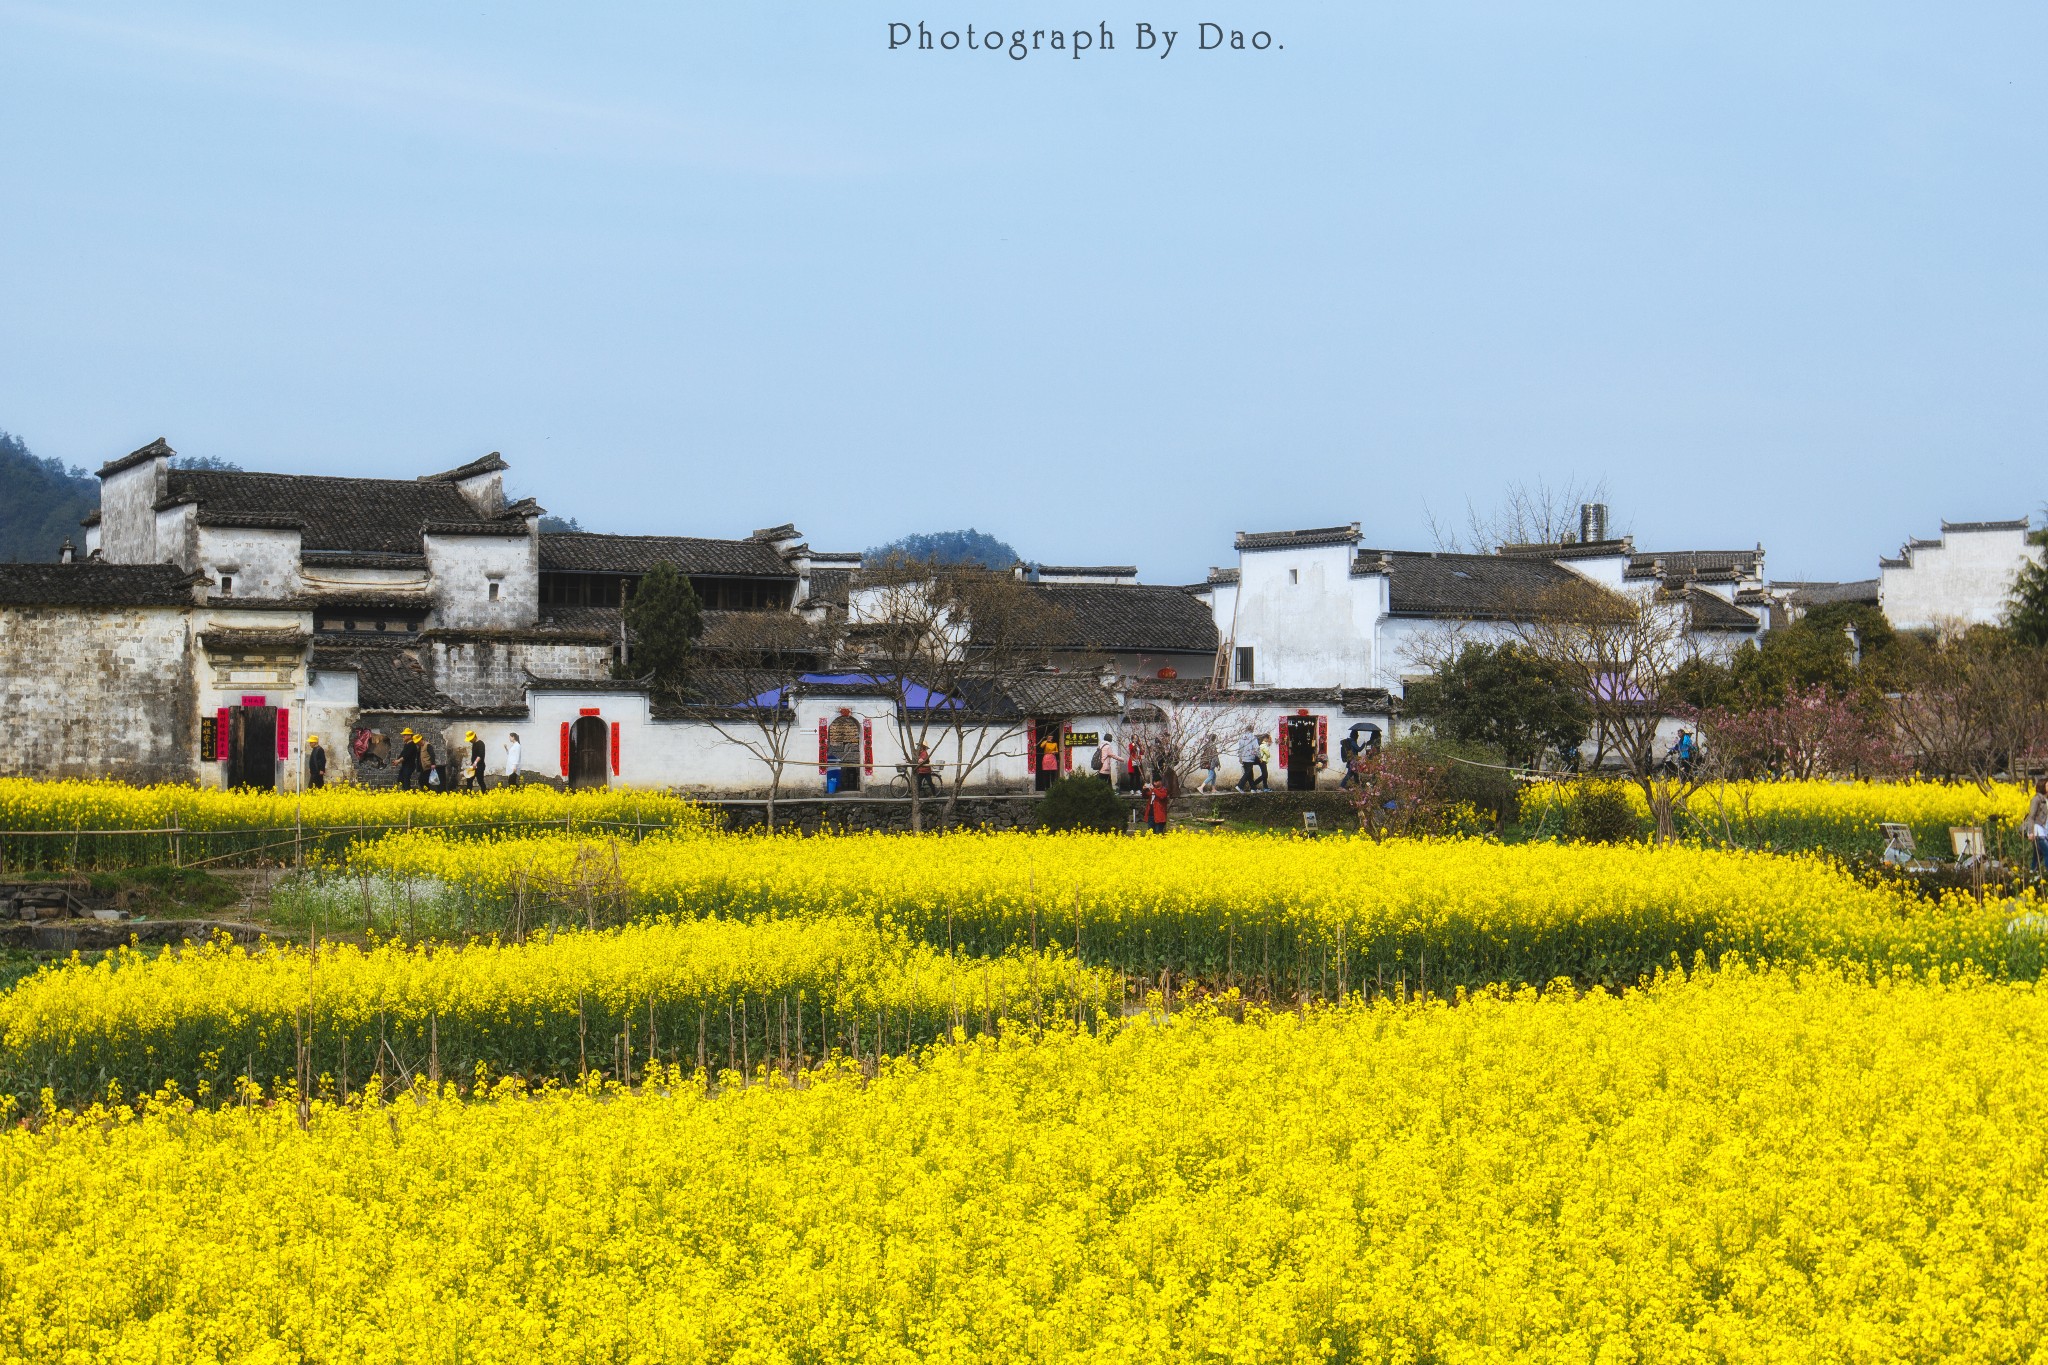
[[589, 752], [1301, 753]]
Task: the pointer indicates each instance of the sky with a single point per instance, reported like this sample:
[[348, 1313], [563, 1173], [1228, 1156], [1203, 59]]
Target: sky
[[1770, 273]]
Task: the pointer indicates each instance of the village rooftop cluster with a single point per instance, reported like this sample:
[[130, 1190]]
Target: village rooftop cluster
[[213, 620]]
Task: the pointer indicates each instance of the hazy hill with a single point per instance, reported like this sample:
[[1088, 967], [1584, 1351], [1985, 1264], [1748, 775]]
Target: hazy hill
[[40, 503], [950, 547]]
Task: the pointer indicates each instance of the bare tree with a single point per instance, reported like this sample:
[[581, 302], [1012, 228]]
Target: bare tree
[[750, 697], [946, 639], [1173, 723], [1974, 704], [1538, 513], [1621, 651]]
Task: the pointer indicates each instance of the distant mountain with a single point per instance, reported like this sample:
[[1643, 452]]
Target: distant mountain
[[950, 547], [40, 503], [204, 462], [552, 522]]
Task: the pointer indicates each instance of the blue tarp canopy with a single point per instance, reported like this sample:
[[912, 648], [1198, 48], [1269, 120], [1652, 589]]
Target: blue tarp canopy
[[915, 696]]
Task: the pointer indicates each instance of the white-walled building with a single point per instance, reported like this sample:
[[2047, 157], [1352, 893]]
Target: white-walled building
[[1962, 577]]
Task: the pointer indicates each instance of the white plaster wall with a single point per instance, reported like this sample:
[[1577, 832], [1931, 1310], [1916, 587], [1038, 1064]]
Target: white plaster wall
[[97, 693], [1313, 631], [330, 712], [176, 537], [319, 578], [493, 672], [264, 563], [463, 567], [127, 513], [1964, 579], [1606, 570]]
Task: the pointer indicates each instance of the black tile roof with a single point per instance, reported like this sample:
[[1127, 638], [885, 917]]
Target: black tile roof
[[1059, 694], [1476, 587], [89, 584], [592, 552], [387, 679], [492, 463], [1289, 540], [1817, 594], [347, 559], [1354, 701], [831, 587], [2017, 524], [1694, 566], [1707, 611], [1572, 549], [1132, 616], [359, 515]]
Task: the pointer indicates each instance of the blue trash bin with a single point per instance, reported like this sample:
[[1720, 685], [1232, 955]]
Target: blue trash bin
[[831, 781]]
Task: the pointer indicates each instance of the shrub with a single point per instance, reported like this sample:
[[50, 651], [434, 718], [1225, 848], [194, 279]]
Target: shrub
[[1082, 801], [1600, 813]]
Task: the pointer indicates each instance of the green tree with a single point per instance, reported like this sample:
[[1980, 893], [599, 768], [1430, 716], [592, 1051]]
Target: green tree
[[2026, 612], [1507, 698], [663, 620]]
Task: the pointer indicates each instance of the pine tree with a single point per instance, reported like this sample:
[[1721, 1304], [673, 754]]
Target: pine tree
[[663, 620]]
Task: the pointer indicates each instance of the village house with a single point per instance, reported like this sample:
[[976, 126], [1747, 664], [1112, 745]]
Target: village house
[[218, 619]]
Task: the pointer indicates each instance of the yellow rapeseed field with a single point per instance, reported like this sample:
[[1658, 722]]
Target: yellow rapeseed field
[[1842, 817], [1326, 917], [712, 993], [213, 822], [1736, 1167]]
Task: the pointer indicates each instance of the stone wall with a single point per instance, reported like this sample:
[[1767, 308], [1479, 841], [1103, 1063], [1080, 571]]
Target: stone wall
[[97, 692]]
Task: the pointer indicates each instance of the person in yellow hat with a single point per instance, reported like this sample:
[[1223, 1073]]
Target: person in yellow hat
[[473, 771], [408, 760], [316, 762]]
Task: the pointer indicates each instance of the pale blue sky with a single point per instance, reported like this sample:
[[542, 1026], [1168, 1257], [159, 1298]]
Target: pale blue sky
[[1775, 272]]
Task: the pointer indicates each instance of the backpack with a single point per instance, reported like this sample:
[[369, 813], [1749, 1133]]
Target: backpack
[[1098, 763]]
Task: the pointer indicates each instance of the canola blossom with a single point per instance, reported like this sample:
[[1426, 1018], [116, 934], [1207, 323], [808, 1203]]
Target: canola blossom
[[212, 824], [1841, 817], [1740, 1166], [713, 993], [1325, 917]]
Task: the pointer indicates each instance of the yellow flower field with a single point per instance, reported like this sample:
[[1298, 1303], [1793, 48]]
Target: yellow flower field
[[1736, 1167], [213, 822], [712, 993], [1842, 817], [1322, 917]]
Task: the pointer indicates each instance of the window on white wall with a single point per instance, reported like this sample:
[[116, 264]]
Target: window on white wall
[[494, 590], [227, 585], [1244, 663], [1294, 575]]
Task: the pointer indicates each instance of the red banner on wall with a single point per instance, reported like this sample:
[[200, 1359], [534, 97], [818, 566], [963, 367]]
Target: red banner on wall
[[565, 748], [867, 747], [615, 748], [220, 734], [284, 732], [824, 746]]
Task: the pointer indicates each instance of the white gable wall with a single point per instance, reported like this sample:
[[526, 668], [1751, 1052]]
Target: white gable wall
[[1964, 578]]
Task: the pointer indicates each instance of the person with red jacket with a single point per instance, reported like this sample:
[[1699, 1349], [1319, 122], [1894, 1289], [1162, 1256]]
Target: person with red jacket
[[1157, 800]]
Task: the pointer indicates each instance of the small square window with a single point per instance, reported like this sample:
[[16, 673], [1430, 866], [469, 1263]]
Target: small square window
[[494, 591], [227, 585], [1294, 575]]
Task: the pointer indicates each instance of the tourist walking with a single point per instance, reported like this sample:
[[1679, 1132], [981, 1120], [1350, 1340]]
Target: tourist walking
[[408, 759], [512, 760], [1105, 758], [473, 774], [430, 767], [1210, 760], [316, 762], [1247, 760], [1265, 764]]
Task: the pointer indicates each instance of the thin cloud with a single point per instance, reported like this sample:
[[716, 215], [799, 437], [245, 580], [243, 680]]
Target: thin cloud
[[406, 86]]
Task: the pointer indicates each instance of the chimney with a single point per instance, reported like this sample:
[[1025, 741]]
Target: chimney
[[1592, 522], [67, 552]]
